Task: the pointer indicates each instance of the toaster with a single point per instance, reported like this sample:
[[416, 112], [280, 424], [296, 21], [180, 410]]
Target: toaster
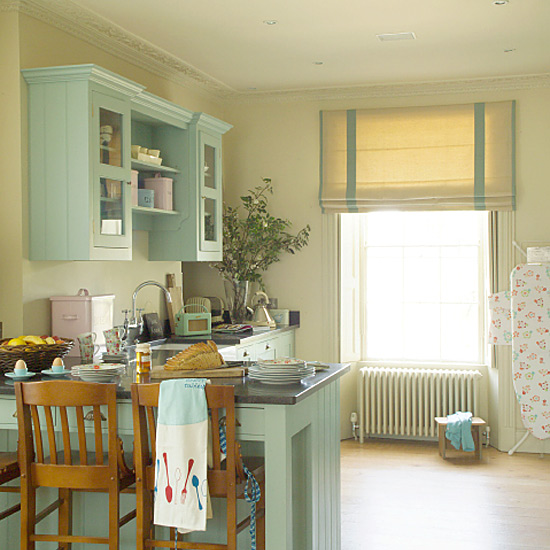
[[217, 307]]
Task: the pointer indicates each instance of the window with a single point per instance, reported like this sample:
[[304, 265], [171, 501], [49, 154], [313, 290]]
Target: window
[[414, 285]]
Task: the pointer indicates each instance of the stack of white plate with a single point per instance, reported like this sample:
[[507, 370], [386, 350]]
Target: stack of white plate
[[280, 371], [102, 372]]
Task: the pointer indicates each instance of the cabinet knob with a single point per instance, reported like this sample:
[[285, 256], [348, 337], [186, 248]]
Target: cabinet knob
[[245, 354], [267, 346]]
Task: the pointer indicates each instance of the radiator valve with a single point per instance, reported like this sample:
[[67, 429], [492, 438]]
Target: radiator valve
[[354, 425]]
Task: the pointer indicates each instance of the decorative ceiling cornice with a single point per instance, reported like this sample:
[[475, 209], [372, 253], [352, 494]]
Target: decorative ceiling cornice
[[102, 33], [492, 84]]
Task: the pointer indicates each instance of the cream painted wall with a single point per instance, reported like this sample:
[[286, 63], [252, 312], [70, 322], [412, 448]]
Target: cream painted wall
[[11, 220], [281, 140], [43, 45]]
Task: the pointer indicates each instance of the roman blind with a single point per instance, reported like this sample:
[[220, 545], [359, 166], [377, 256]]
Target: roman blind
[[451, 157]]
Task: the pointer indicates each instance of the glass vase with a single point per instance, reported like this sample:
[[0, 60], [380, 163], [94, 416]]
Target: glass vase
[[236, 295]]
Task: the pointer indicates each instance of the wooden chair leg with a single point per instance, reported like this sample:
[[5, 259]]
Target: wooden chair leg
[[28, 515], [114, 514], [442, 440], [65, 521], [143, 519]]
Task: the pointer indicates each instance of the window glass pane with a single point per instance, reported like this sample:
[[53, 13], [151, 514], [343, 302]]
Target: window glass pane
[[422, 274], [459, 332], [422, 285], [385, 334]]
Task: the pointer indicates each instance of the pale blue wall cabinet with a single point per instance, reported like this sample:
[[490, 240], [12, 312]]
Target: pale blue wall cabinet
[[83, 121], [79, 163], [197, 234]]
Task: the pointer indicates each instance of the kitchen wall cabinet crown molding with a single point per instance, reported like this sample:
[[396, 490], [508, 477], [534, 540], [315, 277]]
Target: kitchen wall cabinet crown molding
[[88, 73], [82, 122]]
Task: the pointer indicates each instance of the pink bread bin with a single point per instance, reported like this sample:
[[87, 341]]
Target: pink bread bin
[[73, 315], [163, 191]]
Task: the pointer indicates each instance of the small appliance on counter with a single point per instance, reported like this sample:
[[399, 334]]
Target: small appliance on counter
[[217, 307], [193, 324], [262, 317], [73, 315]]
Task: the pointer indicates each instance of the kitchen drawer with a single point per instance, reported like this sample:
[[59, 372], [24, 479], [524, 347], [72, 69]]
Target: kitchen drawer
[[266, 349], [8, 418], [246, 353], [251, 420]]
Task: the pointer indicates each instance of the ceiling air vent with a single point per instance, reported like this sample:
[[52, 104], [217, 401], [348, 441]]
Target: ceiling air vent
[[396, 36]]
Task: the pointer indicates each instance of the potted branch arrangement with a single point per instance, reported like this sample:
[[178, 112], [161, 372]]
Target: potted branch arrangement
[[251, 243]]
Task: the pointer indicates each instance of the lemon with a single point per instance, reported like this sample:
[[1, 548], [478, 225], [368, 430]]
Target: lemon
[[17, 342]]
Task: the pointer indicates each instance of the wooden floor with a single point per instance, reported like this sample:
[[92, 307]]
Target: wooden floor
[[402, 495]]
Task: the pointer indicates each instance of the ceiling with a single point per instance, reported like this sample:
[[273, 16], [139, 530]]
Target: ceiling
[[333, 43]]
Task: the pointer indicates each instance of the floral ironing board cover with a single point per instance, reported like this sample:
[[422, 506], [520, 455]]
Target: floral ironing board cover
[[530, 296]]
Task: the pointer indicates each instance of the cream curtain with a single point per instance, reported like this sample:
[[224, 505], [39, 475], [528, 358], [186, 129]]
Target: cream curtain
[[452, 157]]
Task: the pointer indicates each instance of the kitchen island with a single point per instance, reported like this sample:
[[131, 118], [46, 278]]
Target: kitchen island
[[295, 426]]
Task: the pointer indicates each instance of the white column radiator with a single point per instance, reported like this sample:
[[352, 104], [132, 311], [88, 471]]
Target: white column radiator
[[402, 402]]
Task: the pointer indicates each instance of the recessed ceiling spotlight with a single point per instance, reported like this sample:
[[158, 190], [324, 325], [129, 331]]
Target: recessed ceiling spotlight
[[396, 36], [500, 2], [270, 21], [318, 62]]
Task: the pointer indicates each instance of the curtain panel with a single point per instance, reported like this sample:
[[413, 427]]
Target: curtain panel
[[451, 157]]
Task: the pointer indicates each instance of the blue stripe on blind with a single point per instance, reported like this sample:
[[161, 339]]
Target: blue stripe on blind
[[514, 154], [479, 156], [351, 160], [321, 162]]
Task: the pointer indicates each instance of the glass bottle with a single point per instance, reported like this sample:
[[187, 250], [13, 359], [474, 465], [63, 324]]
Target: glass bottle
[[143, 358]]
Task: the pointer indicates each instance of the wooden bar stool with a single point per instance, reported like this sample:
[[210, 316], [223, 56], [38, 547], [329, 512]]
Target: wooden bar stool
[[9, 470], [226, 479], [66, 469], [477, 424]]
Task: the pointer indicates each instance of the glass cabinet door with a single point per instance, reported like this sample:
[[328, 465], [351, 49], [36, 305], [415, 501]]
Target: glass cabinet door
[[110, 137], [111, 150], [211, 193]]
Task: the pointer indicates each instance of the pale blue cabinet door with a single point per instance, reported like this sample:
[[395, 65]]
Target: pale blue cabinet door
[[210, 199], [110, 147]]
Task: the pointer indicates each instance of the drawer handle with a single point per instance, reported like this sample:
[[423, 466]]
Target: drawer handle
[[90, 416], [69, 317], [14, 415]]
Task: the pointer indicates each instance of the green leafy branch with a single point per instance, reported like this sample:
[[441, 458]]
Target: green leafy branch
[[253, 242]]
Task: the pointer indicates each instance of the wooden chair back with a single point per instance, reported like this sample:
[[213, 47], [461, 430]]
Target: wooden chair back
[[222, 476], [68, 462]]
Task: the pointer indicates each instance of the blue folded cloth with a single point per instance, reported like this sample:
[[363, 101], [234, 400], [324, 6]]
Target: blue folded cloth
[[459, 430]]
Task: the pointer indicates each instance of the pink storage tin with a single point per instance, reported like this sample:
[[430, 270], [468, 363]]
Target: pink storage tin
[[163, 191], [72, 315]]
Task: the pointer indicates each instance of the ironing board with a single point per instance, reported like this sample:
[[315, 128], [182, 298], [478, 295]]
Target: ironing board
[[527, 330]]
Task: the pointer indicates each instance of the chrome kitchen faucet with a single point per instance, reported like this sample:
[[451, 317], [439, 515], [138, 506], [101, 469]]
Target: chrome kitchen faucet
[[133, 323]]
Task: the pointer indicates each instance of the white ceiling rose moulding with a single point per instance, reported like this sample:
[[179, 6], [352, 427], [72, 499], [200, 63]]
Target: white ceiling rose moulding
[[86, 25]]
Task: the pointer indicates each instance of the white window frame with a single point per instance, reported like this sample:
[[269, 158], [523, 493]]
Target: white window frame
[[353, 315]]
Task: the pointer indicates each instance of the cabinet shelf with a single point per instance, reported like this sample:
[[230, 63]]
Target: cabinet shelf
[[153, 211], [146, 166]]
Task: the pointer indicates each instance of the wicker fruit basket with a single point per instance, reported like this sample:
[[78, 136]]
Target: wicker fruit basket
[[37, 357]]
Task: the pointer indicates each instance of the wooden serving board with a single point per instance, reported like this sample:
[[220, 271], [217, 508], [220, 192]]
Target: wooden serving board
[[160, 372]]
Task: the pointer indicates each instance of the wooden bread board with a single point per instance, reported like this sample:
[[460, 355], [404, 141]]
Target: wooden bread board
[[160, 372]]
